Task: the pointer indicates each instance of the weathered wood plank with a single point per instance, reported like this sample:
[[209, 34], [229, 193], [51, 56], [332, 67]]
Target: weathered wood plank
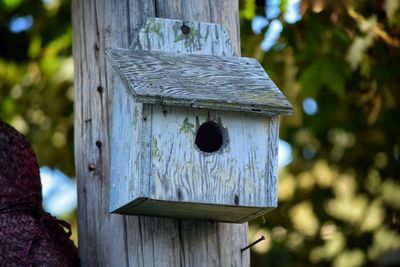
[[199, 81], [158, 33], [217, 11], [188, 210], [114, 240], [128, 149], [230, 176], [241, 177]]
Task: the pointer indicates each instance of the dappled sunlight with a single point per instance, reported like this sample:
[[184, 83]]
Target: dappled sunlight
[[20, 124], [330, 249], [286, 186], [324, 174], [391, 193], [373, 181], [265, 245], [279, 234], [305, 181], [341, 140], [384, 239], [374, 216], [304, 219], [356, 212], [295, 241], [350, 258], [350, 210]]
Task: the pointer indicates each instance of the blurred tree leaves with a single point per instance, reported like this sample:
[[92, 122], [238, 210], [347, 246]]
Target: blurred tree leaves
[[36, 76], [338, 203], [324, 72]]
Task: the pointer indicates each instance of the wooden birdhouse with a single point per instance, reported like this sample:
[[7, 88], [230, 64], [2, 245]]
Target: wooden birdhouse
[[194, 127]]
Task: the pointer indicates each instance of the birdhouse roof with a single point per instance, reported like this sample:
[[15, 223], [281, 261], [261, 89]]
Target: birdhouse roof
[[199, 81]]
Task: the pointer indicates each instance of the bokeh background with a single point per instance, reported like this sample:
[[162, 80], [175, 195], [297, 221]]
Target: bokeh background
[[339, 64]]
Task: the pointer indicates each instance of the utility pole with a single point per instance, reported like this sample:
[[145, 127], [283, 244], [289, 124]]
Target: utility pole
[[115, 240]]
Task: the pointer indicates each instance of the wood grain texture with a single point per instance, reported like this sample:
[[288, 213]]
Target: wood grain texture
[[216, 11], [237, 174], [199, 81], [189, 210], [239, 180], [129, 153], [159, 32], [115, 240]]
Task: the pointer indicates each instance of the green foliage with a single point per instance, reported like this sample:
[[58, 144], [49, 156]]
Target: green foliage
[[248, 9], [338, 203], [36, 78]]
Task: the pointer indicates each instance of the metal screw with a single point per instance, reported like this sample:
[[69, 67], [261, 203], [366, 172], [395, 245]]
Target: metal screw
[[252, 244], [185, 28]]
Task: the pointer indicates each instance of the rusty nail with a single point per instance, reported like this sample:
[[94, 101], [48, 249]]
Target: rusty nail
[[252, 244], [185, 28], [100, 89]]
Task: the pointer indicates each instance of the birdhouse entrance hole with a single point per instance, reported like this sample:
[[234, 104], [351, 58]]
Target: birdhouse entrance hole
[[209, 137]]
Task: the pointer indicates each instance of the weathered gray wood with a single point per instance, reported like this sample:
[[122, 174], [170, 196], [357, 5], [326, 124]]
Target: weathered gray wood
[[154, 160], [114, 240], [238, 174], [198, 81], [188, 210], [159, 33], [216, 11], [243, 173]]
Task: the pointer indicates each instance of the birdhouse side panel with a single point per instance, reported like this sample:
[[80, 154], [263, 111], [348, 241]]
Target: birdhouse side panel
[[241, 173], [129, 150]]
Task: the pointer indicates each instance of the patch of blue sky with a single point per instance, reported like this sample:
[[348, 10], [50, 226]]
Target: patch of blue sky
[[59, 192], [272, 9], [20, 24], [310, 106], [285, 156], [272, 35], [309, 153], [292, 14], [258, 23]]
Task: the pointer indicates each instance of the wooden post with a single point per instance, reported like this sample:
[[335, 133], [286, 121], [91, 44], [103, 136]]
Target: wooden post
[[115, 240]]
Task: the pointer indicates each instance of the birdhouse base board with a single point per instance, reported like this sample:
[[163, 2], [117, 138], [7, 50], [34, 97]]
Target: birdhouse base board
[[189, 210]]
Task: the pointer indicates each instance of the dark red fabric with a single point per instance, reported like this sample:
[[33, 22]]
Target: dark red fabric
[[28, 235]]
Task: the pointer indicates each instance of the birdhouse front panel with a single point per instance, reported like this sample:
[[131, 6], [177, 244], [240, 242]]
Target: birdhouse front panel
[[193, 136], [207, 163], [214, 157]]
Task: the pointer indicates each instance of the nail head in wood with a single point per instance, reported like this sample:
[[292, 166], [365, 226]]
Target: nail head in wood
[[185, 29]]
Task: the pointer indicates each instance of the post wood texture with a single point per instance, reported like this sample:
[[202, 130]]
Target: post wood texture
[[115, 240]]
